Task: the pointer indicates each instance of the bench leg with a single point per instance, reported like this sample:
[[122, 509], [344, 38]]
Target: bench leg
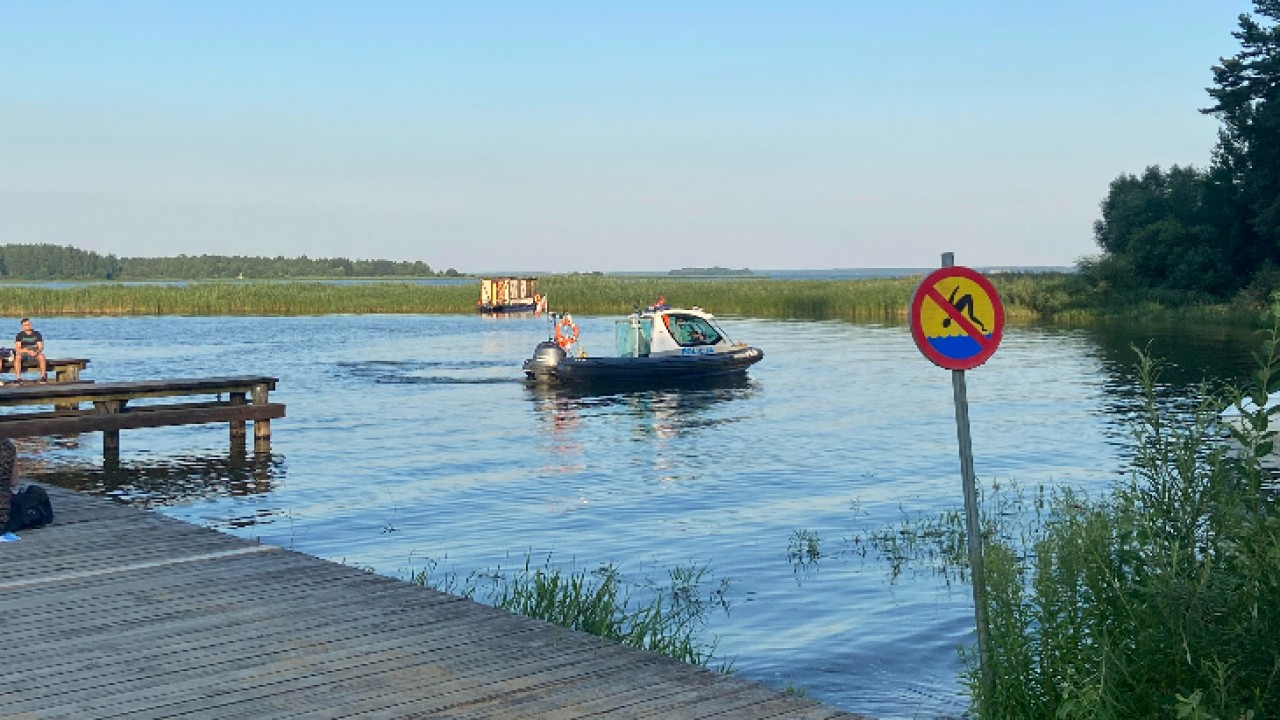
[[261, 428], [237, 426], [111, 445], [261, 436]]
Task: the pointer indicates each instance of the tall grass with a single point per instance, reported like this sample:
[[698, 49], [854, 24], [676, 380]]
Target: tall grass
[[304, 298], [877, 299], [819, 300], [669, 621], [1026, 296], [1083, 297], [871, 299]]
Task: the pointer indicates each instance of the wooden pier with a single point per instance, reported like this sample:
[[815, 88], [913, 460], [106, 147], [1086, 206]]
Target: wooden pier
[[109, 407], [119, 612]]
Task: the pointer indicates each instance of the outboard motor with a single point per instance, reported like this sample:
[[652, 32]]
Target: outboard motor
[[541, 368]]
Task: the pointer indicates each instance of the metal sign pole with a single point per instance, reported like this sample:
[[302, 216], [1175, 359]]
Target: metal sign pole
[[973, 526]]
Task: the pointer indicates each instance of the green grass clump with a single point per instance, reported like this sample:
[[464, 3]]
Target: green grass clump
[[599, 602]]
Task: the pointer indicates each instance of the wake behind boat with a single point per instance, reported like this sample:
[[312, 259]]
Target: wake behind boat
[[657, 346]]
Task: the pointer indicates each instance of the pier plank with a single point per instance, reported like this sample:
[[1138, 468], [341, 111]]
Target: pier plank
[[238, 634], [136, 615], [130, 390], [141, 416], [369, 670]]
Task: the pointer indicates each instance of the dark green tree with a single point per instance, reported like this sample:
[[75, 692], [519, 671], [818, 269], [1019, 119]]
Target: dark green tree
[[1246, 92], [56, 262], [1214, 231], [1163, 227]]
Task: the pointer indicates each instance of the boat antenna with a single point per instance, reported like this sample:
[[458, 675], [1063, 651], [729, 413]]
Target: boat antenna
[[552, 319]]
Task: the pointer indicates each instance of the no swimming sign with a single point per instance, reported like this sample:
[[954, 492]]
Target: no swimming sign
[[957, 319]]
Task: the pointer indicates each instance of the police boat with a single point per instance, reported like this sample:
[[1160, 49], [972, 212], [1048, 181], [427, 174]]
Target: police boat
[[657, 346]]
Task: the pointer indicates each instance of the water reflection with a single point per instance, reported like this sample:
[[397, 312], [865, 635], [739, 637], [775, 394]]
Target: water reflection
[[667, 414], [560, 416], [1190, 355], [665, 421], [670, 409], [1188, 360], [169, 481]]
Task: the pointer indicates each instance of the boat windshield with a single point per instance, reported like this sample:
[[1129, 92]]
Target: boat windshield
[[693, 330], [632, 337]]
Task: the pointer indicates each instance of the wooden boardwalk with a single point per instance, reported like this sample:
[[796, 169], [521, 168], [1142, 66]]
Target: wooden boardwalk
[[119, 612]]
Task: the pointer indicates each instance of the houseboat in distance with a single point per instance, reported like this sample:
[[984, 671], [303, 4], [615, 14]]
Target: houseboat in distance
[[510, 295]]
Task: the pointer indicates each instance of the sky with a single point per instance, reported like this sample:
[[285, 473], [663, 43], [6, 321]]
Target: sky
[[613, 135]]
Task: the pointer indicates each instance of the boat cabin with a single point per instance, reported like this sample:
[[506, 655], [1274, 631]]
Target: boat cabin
[[509, 294], [658, 332]]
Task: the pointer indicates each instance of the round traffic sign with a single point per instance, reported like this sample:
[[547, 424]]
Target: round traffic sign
[[957, 319]]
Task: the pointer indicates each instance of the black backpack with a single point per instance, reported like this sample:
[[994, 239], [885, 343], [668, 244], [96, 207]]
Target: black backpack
[[29, 509]]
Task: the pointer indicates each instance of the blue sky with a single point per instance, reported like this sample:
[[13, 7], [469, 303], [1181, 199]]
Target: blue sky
[[563, 136]]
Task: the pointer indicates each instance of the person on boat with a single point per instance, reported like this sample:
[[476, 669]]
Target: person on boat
[[661, 304], [28, 343]]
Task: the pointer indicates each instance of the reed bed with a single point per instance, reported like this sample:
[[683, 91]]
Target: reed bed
[[249, 299], [876, 299], [870, 299], [1026, 296]]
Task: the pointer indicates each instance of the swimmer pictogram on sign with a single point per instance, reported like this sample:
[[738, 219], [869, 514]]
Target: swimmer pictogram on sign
[[957, 319]]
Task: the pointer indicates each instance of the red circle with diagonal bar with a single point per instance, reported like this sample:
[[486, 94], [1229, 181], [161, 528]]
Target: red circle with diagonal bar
[[957, 319]]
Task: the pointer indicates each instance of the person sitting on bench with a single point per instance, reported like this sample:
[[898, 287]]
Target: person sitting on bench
[[29, 343]]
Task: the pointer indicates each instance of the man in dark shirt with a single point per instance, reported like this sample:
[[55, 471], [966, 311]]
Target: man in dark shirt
[[28, 344]]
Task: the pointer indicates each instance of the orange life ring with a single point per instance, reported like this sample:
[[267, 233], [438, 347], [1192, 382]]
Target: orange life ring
[[566, 332]]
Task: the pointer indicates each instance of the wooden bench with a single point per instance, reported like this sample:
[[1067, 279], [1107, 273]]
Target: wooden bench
[[60, 369], [108, 409]]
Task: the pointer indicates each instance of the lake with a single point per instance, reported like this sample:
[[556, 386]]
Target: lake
[[412, 442]]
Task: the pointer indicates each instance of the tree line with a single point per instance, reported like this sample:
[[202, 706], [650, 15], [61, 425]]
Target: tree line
[[56, 262], [1212, 232]]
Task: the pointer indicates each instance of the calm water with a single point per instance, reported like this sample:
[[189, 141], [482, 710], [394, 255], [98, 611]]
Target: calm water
[[411, 439]]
